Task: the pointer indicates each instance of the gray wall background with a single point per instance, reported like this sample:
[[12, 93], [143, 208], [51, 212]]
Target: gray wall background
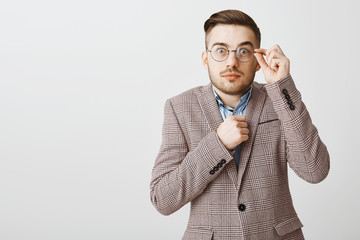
[[82, 90]]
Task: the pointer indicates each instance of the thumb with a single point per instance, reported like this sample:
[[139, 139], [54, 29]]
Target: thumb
[[261, 60]]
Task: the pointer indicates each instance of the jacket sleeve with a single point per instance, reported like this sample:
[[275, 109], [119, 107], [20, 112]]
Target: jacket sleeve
[[306, 154], [178, 175]]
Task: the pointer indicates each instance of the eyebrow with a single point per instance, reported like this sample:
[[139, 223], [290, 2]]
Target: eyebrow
[[241, 44]]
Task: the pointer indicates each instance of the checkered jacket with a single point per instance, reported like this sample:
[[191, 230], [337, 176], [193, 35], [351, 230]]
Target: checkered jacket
[[254, 202]]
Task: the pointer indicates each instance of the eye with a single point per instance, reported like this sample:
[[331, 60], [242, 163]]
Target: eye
[[221, 51], [243, 51]]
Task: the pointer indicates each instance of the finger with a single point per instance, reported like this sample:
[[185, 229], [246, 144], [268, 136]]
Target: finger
[[260, 50], [239, 118], [270, 50], [244, 131], [242, 125], [275, 64], [272, 55], [261, 60], [275, 55], [278, 49], [244, 138], [275, 51]]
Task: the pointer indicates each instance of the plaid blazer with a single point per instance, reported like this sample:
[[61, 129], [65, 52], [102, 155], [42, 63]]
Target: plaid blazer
[[254, 202]]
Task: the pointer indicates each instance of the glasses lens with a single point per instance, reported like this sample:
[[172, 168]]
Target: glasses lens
[[219, 52], [244, 53]]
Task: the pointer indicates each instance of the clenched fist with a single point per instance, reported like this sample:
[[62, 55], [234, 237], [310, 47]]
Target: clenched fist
[[233, 131]]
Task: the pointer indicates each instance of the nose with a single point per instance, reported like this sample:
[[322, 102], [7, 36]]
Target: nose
[[232, 59]]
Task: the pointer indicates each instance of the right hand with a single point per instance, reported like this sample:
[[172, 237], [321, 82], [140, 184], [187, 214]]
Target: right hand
[[233, 131]]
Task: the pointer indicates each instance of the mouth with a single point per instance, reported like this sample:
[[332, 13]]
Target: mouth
[[231, 76]]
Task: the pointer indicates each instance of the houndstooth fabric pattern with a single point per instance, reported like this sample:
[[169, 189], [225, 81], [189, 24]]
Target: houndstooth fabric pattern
[[194, 166]]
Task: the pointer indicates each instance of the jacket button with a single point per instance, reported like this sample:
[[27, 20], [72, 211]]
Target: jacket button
[[212, 172], [223, 161], [287, 96], [284, 91], [292, 107], [242, 207], [289, 102], [219, 165], [216, 168]]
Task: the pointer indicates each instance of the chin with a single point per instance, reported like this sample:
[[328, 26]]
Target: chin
[[231, 87], [238, 89]]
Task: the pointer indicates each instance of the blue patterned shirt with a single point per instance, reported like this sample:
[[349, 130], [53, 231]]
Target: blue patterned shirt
[[240, 109]]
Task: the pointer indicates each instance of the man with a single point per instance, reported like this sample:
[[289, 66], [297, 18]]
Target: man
[[226, 146]]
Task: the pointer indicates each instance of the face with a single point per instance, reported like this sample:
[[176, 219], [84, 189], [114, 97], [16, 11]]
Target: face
[[231, 77]]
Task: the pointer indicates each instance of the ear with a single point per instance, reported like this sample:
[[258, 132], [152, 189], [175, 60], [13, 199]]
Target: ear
[[204, 59], [257, 66]]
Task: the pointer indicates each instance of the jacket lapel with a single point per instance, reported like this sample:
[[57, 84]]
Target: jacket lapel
[[210, 108], [253, 112], [213, 117]]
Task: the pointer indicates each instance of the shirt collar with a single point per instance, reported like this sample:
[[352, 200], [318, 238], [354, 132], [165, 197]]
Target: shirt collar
[[241, 105]]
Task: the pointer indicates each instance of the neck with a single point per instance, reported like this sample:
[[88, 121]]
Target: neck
[[230, 100]]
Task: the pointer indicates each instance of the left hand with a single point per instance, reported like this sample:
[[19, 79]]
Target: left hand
[[277, 66]]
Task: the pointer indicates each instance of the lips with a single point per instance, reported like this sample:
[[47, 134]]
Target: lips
[[231, 76]]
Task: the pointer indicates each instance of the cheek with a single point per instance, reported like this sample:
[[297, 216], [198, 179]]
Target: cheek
[[216, 67], [212, 68], [252, 66]]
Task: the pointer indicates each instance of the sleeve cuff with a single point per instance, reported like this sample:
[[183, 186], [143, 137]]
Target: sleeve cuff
[[285, 97]]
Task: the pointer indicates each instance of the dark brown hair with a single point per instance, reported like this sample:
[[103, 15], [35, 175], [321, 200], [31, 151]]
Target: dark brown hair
[[236, 17]]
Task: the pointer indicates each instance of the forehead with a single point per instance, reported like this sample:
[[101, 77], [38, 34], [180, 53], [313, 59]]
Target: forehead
[[232, 35]]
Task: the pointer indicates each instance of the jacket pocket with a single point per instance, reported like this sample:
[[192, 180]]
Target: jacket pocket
[[268, 121], [288, 226], [198, 234]]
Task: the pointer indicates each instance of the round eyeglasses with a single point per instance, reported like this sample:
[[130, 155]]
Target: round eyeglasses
[[220, 53]]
